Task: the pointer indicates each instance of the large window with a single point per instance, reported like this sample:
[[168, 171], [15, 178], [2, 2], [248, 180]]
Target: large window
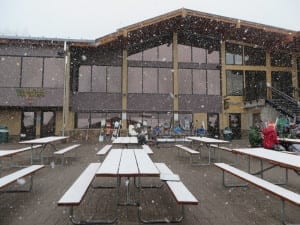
[[281, 59], [135, 79], [199, 55], [99, 79], [256, 85], [199, 82], [165, 78], [185, 81], [31, 72], [32, 75], [88, 120], [235, 80], [239, 54], [157, 76], [150, 80], [213, 82], [10, 70], [54, 73], [254, 56], [234, 54]]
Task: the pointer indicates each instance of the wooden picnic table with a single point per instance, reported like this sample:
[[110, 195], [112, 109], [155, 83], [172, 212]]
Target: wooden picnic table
[[125, 141], [275, 158], [208, 142], [130, 163], [44, 142]]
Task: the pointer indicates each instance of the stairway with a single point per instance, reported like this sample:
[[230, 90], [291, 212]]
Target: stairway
[[284, 103]]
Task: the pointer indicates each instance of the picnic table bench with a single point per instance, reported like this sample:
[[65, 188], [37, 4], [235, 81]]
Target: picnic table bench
[[15, 176], [65, 150], [11, 152], [76, 192], [280, 192], [171, 139], [224, 148], [193, 153], [178, 190], [147, 149]]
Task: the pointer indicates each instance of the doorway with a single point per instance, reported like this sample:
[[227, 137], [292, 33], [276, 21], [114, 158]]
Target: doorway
[[47, 123], [28, 122], [235, 124]]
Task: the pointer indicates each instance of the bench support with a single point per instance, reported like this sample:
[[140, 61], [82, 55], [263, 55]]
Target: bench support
[[231, 185], [262, 170], [23, 190], [284, 195], [82, 222], [129, 201], [161, 220]]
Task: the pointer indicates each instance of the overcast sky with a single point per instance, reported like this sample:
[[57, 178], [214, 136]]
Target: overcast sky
[[91, 19]]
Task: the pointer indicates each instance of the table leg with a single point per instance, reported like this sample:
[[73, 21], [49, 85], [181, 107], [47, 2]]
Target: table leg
[[129, 201]]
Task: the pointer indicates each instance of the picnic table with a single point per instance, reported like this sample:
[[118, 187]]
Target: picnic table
[[125, 141], [275, 158], [129, 163], [44, 142], [207, 142]]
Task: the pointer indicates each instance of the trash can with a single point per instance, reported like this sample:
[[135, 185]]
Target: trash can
[[3, 134]]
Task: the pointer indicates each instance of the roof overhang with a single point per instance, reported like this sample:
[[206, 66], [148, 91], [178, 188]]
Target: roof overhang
[[201, 24]]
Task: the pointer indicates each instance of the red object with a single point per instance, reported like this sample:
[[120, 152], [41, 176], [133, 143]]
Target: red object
[[270, 137]]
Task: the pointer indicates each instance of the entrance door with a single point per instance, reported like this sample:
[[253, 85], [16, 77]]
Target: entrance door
[[235, 124], [47, 124], [213, 129], [28, 125]]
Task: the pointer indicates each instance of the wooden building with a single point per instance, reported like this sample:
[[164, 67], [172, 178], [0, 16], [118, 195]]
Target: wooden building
[[184, 68]]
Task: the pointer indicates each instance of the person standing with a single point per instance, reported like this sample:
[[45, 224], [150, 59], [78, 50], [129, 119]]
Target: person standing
[[269, 136]]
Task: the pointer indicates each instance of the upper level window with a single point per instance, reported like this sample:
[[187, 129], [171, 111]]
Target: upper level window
[[54, 72], [165, 84], [281, 59], [213, 82], [185, 81], [84, 79], [184, 53], [99, 79], [32, 72], [254, 56], [165, 53], [10, 68], [150, 54], [213, 57], [234, 82], [234, 54]]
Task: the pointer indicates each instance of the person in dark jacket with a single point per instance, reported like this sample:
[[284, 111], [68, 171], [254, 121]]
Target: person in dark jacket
[[269, 136]]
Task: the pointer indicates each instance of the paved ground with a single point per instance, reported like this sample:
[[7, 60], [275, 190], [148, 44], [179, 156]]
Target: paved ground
[[218, 205]]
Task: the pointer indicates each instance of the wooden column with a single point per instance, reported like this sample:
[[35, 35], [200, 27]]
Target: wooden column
[[268, 75], [124, 86], [66, 99], [175, 71]]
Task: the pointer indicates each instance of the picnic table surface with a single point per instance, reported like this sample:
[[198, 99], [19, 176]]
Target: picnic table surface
[[275, 157], [44, 140], [208, 140], [127, 162]]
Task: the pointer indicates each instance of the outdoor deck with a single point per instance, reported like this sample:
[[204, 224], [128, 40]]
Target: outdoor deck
[[218, 205]]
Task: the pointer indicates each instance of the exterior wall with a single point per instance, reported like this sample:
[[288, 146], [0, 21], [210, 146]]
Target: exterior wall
[[11, 119], [32, 97]]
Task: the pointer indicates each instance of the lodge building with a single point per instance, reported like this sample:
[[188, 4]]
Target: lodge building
[[184, 67]]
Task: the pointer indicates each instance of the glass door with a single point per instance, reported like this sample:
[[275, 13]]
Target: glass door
[[28, 125], [47, 123]]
